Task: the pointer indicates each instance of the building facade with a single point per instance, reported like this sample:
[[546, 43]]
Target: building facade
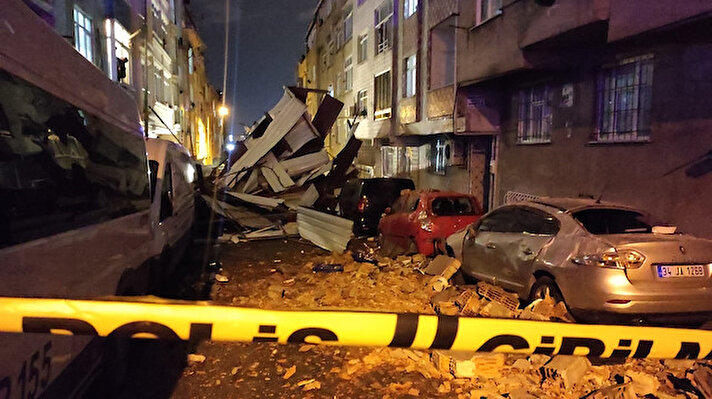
[[141, 45], [592, 98], [515, 99]]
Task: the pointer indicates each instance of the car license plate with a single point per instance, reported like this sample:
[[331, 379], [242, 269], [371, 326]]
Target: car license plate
[[681, 271]]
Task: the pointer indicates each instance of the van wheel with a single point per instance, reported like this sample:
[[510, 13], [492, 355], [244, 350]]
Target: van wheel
[[543, 287]]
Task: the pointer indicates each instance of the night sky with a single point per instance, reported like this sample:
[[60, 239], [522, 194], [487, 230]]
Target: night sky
[[266, 41]]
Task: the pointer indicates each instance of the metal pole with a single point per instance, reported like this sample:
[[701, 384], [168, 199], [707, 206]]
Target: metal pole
[[145, 68]]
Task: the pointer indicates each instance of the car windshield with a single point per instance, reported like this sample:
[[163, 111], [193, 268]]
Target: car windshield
[[613, 221], [452, 206]]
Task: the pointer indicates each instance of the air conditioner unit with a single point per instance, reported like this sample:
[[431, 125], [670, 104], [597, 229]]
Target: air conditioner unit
[[452, 150]]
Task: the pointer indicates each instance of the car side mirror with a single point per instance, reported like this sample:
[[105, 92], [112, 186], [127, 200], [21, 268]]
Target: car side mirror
[[388, 210], [471, 231]]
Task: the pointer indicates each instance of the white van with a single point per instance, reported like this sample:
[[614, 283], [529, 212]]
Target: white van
[[75, 199], [172, 201]]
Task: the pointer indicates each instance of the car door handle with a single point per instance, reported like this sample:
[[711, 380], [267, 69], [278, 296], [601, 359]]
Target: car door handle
[[527, 251], [490, 245]]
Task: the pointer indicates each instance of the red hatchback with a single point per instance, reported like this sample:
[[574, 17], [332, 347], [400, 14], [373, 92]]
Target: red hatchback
[[418, 219]]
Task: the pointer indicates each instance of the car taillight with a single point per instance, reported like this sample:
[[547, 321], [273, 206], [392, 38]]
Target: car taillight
[[362, 205], [425, 222], [612, 259]]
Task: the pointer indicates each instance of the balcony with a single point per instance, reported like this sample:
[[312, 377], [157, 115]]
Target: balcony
[[522, 35]]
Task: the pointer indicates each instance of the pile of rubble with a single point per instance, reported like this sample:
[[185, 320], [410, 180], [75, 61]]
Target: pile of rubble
[[363, 280], [282, 168], [497, 375]]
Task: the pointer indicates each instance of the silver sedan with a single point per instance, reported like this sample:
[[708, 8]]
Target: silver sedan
[[605, 261]]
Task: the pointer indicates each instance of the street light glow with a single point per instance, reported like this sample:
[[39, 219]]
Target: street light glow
[[223, 111], [230, 147]]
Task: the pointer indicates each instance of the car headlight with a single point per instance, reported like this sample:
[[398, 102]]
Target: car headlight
[[612, 259]]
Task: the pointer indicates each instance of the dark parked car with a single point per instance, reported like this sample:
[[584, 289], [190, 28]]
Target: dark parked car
[[364, 200]]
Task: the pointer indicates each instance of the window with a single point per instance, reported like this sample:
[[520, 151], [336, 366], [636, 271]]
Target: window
[[348, 74], [453, 206], [488, 9], [624, 100], [382, 99], [410, 7], [83, 41], [534, 221], [330, 54], [63, 168], [191, 67], [442, 48], [409, 78], [348, 23], [391, 161], [534, 115], [440, 153], [362, 48], [123, 54], [384, 26], [362, 102], [503, 220], [613, 221]]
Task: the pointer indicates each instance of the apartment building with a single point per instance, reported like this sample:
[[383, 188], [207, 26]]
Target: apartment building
[[397, 81], [201, 101], [140, 45], [597, 98], [515, 99]]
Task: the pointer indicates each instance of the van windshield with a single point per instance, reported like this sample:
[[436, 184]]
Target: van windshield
[[613, 221]]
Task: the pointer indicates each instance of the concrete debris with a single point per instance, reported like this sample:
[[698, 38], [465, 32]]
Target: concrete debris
[[438, 283], [290, 372], [618, 391], [368, 281], [566, 369], [498, 295], [309, 385], [195, 358], [642, 383], [702, 379], [468, 364], [678, 365], [442, 266]]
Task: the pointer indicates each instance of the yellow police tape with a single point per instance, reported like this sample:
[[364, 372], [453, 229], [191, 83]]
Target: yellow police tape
[[224, 323]]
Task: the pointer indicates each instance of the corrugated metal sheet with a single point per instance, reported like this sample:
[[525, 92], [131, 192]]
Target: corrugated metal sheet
[[285, 115], [327, 231]]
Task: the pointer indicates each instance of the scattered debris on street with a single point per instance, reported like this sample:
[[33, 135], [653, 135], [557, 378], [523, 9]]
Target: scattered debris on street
[[360, 279]]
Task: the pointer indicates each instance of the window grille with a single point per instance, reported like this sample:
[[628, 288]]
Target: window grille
[[624, 100], [534, 115]]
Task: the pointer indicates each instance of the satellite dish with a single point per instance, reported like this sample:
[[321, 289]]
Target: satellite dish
[[545, 3]]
